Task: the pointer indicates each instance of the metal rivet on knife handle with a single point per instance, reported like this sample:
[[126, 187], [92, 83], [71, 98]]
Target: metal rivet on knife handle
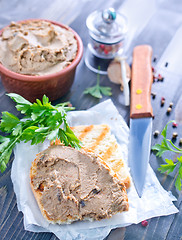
[[138, 91], [143, 78], [138, 106]]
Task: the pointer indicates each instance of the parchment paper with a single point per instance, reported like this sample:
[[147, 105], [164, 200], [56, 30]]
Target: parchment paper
[[155, 200]]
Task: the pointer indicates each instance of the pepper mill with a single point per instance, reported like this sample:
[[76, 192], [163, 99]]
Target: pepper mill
[[107, 31]]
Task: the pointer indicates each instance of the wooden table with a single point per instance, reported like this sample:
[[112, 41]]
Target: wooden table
[[74, 13]]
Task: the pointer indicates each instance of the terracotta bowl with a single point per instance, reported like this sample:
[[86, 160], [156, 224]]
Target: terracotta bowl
[[53, 85]]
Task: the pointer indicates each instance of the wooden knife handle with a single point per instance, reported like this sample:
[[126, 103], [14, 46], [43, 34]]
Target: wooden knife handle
[[141, 82]]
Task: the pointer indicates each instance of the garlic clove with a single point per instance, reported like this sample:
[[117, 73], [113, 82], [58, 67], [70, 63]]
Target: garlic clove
[[114, 72]]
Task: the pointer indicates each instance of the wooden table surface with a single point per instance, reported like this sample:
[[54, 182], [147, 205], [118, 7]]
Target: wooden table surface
[[75, 13]]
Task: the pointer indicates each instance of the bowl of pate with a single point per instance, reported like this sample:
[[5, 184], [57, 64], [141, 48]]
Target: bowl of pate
[[39, 57]]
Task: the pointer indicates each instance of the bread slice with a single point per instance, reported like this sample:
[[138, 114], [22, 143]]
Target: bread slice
[[71, 185], [99, 140]]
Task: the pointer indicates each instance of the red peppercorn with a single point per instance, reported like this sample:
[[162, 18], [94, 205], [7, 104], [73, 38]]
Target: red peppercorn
[[144, 223], [160, 78], [175, 125], [153, 70], [162, 101], [106, 51], [102, 46]]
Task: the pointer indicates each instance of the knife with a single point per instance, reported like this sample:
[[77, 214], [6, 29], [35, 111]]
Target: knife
[[140, 115]]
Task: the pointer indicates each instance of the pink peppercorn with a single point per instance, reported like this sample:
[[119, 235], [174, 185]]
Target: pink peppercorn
[[144, 223], [106, 51], [160, 78], [163, 99], [175, 125], [102, 46]]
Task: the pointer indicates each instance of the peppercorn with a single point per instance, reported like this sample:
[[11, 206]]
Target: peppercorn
[[169, 110], [144, 223], [156, 133], [175, 134], [174, 125], [153, 95], [102, 46], [166, 64], [159, 76], [106, 51], [180, 142], [171, 104], [162, 101]]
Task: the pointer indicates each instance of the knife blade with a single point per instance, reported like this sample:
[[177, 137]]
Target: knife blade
[[141, 114]]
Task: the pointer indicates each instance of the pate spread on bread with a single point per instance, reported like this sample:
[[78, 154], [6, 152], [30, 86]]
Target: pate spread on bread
[[71, 185], [99, 140]]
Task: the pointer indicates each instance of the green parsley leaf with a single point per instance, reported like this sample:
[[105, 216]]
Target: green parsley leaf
[[106, 91], [18, 99], [94, 91], [168, 145], [4, 143], [97, 91], [17, 129], [22, 104], [180, 159], [8, 122], [180, 170], [160, 149], [169, 167], [42, 120]]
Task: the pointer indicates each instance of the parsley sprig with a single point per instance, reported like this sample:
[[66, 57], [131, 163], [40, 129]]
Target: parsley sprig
[[42, 120], [167, 145], [97, 91]]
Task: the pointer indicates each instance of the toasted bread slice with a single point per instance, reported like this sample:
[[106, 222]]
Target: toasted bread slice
[[98, 139], [71, 185]]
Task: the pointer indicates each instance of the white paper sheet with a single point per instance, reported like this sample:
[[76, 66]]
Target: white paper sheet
[[154, 202]]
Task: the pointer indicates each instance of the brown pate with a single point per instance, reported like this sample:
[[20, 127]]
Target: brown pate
[[36, 47]]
